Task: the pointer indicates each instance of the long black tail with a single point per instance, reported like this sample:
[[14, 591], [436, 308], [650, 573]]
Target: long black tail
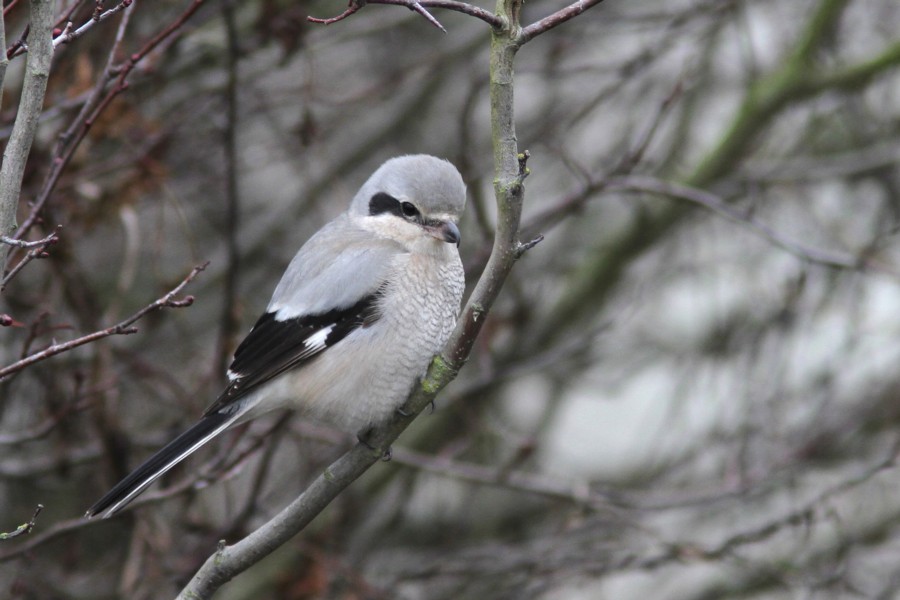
[[154, 467]]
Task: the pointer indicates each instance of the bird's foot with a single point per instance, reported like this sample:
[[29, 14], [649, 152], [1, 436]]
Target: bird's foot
[[385, 456], [406, 414]]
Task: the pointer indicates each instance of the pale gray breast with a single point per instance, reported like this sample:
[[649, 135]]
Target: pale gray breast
[[418, 312]]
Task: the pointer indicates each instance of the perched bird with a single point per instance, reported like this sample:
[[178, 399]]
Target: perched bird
[[354, 322]]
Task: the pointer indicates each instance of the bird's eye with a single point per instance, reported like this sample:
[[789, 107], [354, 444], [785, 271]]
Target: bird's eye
[[409, 209]]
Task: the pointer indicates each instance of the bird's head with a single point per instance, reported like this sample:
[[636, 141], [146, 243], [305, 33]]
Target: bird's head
[[415, 200]]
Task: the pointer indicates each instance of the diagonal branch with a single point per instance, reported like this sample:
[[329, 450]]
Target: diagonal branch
[[718, 205], [122, 328], [72, 33], [36, 249], [25, 528], [556, 19]]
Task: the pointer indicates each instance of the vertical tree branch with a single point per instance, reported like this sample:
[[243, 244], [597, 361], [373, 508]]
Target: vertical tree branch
[[509, 174], [37, 71], [4, 60]]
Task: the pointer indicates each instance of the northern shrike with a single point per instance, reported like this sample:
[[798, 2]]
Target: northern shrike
[[354, 322]]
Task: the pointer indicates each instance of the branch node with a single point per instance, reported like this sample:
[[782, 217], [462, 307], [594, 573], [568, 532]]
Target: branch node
[[53, 238], [477, 311], [220, 549], [186, 301], [524, 171], [523, 248]]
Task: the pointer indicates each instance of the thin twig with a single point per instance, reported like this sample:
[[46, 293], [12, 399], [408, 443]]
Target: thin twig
[[556, 19], [215, 469], [92, 109], [635, 155], [802, 515], [420, 7], [352, 8], [50, 239], [593, 184], [43, 428], [122, 328], [9, 7], [70, 34], [578, 493], [25, 527], [20, 43], [722, 208], [36, 249]]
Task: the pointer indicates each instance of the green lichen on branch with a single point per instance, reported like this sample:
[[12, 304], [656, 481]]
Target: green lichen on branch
[[440, 373]]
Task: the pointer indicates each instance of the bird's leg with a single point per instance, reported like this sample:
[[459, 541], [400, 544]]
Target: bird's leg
[[403, 413], [361, 437]]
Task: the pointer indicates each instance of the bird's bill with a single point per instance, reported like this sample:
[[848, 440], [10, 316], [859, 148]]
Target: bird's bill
[[446, 231]]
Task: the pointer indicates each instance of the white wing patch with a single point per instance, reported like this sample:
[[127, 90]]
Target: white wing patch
[[316, 342]]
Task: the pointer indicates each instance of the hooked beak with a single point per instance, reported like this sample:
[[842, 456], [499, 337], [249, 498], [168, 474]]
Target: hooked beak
[[446, 231]]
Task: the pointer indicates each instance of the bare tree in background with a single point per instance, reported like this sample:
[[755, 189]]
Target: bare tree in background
[[687, 390]]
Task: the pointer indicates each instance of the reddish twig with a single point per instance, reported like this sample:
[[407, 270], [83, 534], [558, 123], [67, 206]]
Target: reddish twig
[[352, 8], [557, 18], [123, 328], [95, 105], [19, 45], [9, 7]]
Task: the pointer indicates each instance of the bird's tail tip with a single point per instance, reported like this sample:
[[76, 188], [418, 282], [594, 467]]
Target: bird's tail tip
[[157, 465]]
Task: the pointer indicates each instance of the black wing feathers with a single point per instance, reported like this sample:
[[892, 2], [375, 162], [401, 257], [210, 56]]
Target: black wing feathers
[[273, 346]]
